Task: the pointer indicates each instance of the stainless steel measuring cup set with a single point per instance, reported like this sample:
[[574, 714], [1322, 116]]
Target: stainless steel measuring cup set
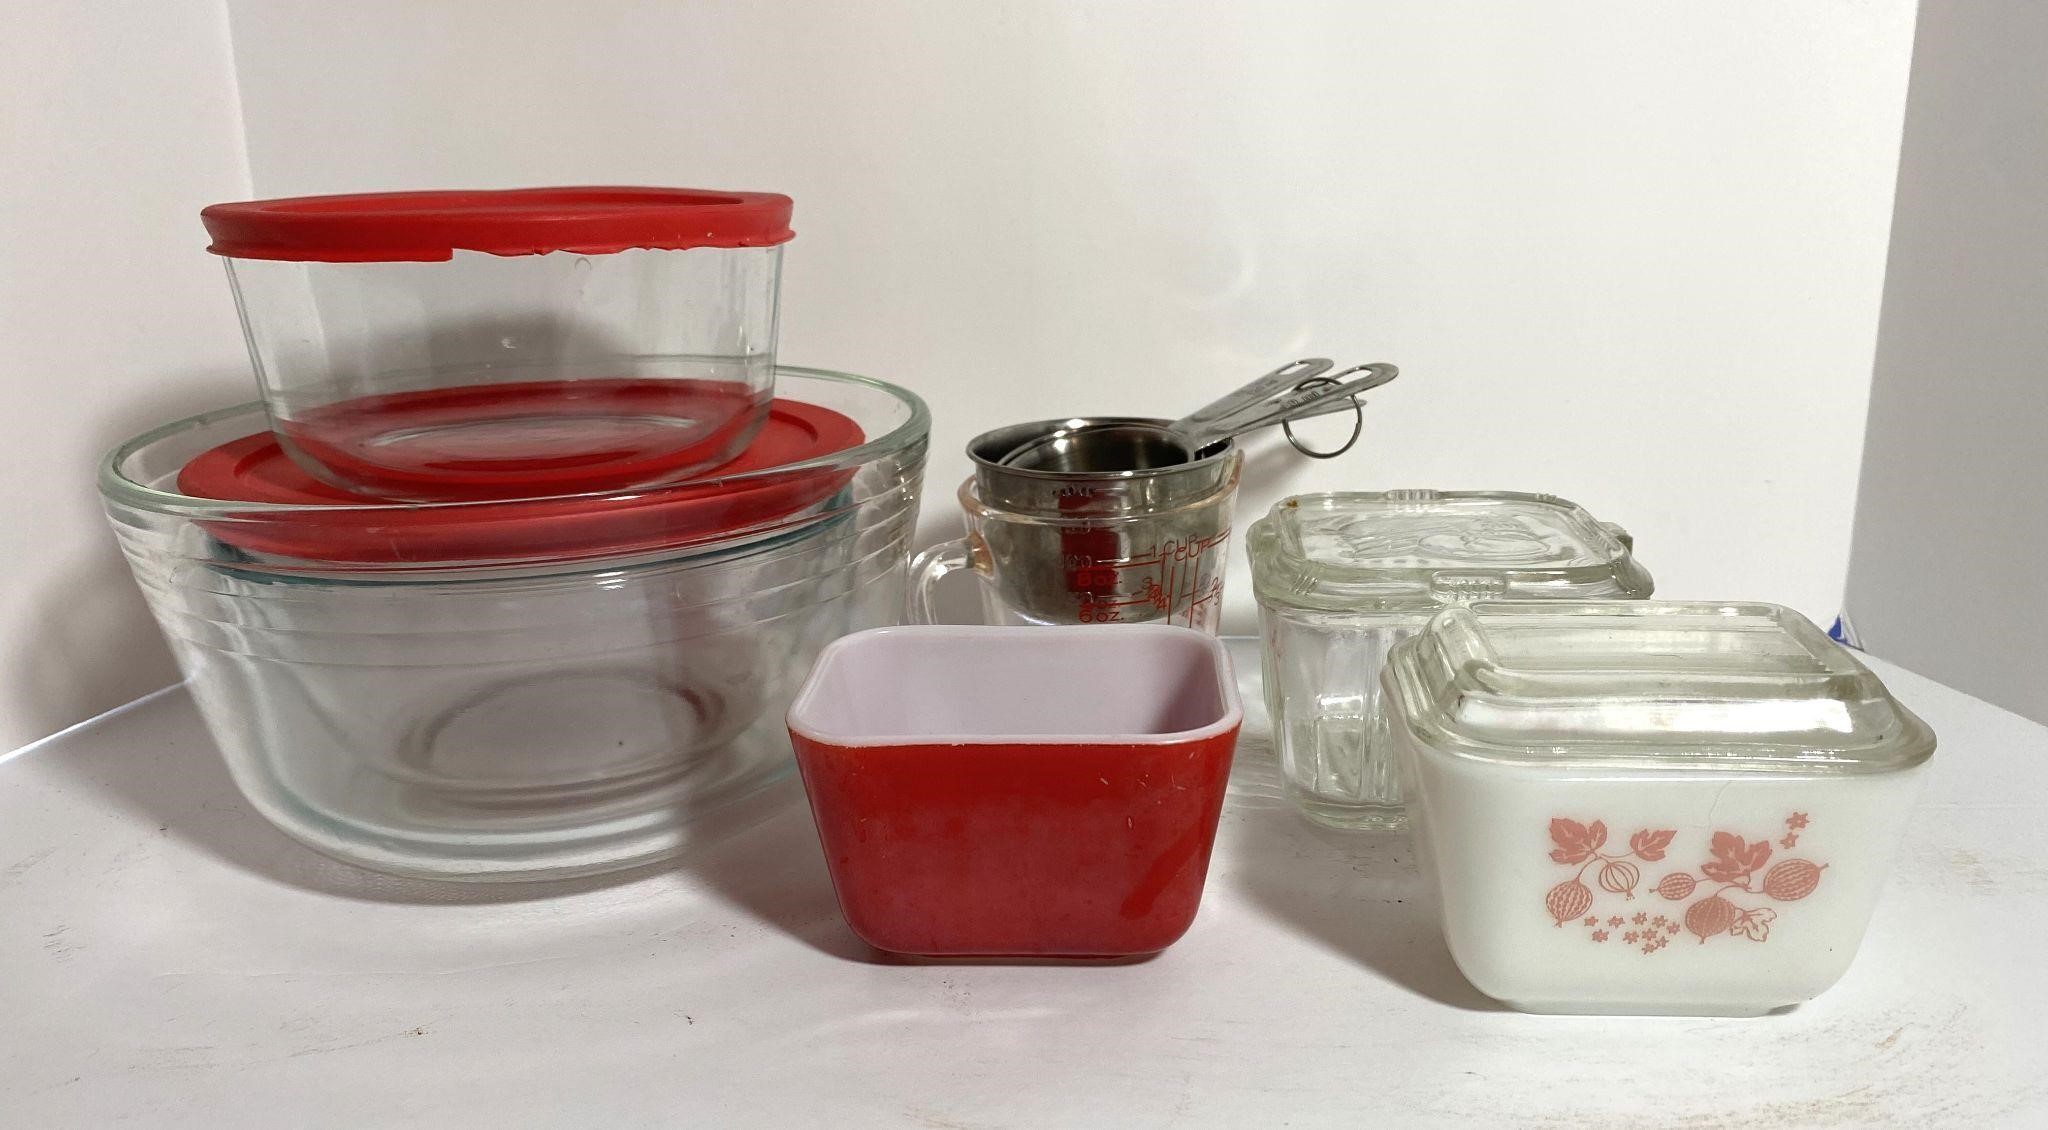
[[1113, 519]]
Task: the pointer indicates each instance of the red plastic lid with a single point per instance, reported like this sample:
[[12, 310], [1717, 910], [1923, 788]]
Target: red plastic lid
[[429, 227], [470, 442], [374, 531]]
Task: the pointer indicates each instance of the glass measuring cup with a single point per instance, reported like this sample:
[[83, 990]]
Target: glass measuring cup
[[1083, 566]]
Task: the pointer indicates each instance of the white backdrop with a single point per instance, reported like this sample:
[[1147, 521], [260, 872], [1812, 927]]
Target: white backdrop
[[1626, 252], [1951, 530], [117, 121]]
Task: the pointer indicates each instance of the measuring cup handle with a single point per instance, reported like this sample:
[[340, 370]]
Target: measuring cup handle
[[927, 569]]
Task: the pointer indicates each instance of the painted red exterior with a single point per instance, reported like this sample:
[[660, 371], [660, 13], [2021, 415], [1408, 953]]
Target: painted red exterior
[[1018, 849]]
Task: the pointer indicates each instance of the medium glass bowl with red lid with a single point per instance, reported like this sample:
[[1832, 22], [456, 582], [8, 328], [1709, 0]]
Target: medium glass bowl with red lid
[[517, 689], [509, 343]]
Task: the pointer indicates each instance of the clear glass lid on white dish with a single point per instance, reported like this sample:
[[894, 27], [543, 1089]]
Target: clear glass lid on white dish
[[1408, 550], [1666, 684]]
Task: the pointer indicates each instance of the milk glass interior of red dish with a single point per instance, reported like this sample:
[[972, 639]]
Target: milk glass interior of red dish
[[1650, 807], [436, 346], [1017, 791]]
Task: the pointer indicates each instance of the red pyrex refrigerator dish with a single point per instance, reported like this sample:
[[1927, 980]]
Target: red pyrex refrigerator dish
[[1016, 792], [507, 344]]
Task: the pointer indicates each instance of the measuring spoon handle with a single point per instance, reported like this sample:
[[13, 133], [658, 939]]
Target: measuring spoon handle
[[1326, 394], [1277, 383]]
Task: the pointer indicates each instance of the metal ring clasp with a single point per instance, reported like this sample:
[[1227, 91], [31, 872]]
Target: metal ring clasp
[[1357, 422]]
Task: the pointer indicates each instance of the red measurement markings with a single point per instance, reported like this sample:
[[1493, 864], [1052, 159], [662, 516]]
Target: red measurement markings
[[1171, 575]]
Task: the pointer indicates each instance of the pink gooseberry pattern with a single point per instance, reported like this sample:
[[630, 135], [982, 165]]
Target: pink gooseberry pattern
[[1730, 897]]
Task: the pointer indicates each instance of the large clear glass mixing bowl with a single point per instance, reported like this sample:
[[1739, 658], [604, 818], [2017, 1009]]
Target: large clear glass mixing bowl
[[514, 717]]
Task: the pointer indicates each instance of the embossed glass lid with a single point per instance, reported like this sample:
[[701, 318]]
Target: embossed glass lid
[[1417, 550], [1663, 683]]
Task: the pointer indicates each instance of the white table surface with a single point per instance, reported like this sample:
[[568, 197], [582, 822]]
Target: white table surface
[[168, 959]]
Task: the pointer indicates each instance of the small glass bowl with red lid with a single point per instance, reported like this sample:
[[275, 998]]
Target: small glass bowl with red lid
[[454, 345]]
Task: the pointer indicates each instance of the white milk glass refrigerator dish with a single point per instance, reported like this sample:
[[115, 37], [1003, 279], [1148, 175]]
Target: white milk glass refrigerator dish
[[1342, 577], [1650, 807]]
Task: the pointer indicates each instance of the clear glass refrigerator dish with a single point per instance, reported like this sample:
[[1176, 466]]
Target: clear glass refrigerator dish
[[1342, 577], [1650, 807]]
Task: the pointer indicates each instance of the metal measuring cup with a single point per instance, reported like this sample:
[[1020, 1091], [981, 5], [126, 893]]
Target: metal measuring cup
[[1135, 464], [1094, 519]]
